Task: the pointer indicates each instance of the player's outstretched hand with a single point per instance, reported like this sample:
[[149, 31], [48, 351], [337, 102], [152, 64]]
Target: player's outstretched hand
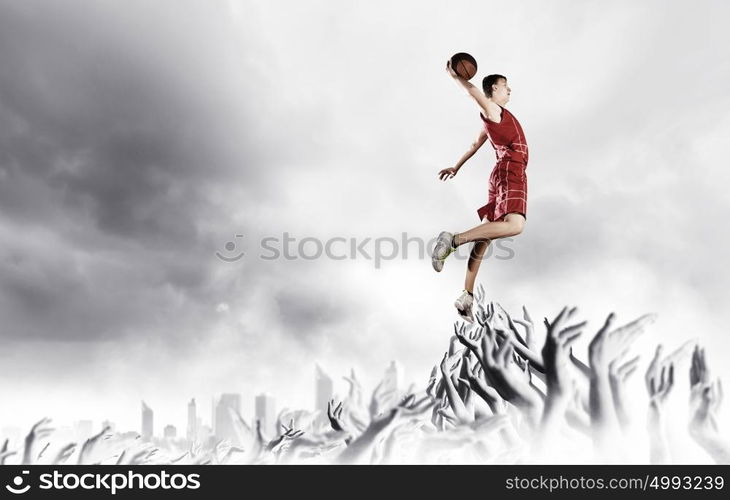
[[448, 173]]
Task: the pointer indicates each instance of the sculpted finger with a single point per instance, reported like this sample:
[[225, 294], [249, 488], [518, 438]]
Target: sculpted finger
[[682, 351], [526, 314], [569, 331], [606, 325], [629, 367], [655, 361], [629, 332], [558, 319], [568, 340]]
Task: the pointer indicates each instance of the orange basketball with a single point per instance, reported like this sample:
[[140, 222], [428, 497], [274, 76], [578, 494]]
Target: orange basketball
[[464, 65]]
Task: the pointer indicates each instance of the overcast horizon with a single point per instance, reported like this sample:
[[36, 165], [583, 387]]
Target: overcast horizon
[[137, 140]]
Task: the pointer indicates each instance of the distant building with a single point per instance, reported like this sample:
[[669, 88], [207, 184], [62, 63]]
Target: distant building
[[266, 414], [192, 429], [170, 432], [393, 381], [225, 422], [204, 433], [323, 390], [147, 422]]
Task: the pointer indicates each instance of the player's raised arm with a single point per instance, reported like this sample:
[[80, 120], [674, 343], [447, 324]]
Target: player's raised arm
[[470, 88], [448, 173]]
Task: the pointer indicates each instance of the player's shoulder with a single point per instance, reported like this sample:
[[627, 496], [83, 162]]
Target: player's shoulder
[[495, 115]]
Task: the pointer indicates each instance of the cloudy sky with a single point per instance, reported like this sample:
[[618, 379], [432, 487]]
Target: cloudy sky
[[138, 138]]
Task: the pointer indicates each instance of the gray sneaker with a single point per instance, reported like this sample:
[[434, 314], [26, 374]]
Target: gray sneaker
[[463, 306], [441, 250]]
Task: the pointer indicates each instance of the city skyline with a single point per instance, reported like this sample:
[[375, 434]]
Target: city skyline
[[181, 421], [264, 407]]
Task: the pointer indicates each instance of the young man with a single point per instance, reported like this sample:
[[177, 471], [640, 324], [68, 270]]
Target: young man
[[505, 213]]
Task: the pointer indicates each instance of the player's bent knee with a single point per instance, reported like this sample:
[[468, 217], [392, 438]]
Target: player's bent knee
[[516, 224]]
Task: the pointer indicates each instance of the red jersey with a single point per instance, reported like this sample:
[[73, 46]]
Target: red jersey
[[508, 180], [507, 138]]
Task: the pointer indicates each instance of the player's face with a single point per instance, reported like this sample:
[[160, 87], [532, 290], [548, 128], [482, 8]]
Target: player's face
[[501, 91]]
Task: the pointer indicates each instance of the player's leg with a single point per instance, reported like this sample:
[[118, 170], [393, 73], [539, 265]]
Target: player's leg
[[472, 267], [465, 301], [507, 195], [446, 243], [511, 225]]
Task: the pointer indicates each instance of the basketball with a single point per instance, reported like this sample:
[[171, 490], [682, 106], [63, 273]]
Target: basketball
[[464, 65]]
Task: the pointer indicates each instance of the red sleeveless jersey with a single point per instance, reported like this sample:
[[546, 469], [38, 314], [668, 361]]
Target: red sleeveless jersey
[[508, 180], [507, 138]]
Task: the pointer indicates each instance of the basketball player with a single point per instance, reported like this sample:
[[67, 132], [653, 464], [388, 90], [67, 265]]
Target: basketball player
[[505, 213]]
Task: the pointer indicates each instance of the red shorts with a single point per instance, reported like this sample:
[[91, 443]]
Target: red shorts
[[507, 191]]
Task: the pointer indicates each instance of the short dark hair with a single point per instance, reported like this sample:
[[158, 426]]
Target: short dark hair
[[490, 80]]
